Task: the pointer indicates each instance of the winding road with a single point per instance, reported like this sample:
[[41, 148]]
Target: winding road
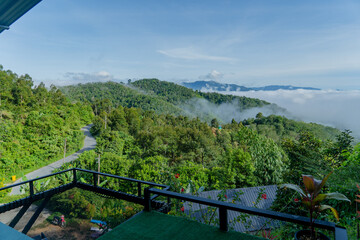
[[89, 144]]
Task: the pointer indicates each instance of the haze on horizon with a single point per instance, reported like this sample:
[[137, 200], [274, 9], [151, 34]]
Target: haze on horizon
[[250, 43]]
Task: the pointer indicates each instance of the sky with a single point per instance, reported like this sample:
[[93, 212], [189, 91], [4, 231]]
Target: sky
[[250, 43]]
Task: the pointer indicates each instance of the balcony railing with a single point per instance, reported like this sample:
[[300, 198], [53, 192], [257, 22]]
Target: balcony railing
[[146, 195]]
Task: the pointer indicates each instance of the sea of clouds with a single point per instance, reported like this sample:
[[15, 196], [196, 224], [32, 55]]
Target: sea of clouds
[[340, 109]]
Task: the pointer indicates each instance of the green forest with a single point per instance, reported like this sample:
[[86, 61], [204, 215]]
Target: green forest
[[161, 97], [34, 123], [143, 131]]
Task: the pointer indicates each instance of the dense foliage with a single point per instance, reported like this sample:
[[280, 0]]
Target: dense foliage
[[152, 147], [161, 97], [34, 123], [278, 128]]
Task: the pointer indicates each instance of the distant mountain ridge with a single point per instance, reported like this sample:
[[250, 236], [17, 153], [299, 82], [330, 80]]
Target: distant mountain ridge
[[212, 85]]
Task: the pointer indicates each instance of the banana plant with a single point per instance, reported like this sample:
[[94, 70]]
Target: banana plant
[[312, 198]]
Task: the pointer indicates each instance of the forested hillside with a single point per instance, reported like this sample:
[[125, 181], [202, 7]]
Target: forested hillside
[[278, 127], [165, 98], [103, 95], [154, 147], [34, 123], [177, 94]]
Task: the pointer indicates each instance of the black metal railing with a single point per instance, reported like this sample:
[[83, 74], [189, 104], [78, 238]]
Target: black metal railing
[[34, 196], [148, 199], [224, 207]]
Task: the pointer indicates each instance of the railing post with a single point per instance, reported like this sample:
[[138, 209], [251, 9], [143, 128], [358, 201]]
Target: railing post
[[223, 215], [95, 179], [139, 189], [340, 233], [31, 185], [147, 200], [74, 176], [169, 204]]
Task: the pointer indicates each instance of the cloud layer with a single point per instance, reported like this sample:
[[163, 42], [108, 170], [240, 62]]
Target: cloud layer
[[329, 107]]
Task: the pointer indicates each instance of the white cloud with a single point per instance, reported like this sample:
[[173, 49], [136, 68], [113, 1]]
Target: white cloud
[[74, 78], [213, 75], [192, 54]]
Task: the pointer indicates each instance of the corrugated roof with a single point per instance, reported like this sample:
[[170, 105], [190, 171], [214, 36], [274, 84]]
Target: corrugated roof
[[12, 10], [241, 196]]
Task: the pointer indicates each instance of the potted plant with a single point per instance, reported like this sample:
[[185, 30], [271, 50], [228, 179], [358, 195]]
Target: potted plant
[[311, 199]]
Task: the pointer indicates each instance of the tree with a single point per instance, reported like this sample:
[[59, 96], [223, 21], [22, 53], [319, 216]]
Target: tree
[[214, 123]]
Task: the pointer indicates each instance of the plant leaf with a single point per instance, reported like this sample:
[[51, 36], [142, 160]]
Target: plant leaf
[[293, 187], [336, 196], [309, 183], [357, 200], [323, 207], [319, 198], [103, 183], [323, 182]]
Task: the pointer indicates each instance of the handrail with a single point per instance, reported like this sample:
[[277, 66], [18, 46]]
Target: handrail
[[34, 179], [340, 233], [122, 178]]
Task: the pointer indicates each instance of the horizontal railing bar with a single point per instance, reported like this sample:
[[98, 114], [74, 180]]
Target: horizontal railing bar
[[88, 171], [250, 210], [123, 178], [37, 196], [33, 180]]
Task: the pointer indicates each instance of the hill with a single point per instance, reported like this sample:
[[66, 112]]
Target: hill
[[165, 98], [215, 86], [277, 128]]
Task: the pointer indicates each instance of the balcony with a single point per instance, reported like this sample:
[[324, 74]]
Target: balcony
[[150, 224]]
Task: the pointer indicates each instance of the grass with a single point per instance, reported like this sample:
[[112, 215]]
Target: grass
[[154, 225], [10, 198]]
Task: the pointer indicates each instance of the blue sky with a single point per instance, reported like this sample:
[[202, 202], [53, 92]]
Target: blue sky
[[251, 43]]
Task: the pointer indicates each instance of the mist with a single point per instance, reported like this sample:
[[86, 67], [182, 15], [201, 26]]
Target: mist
[[225, 112], [338, 109]]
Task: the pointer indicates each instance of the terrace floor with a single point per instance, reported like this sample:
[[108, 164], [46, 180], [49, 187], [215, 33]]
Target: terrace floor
[[155, 225]]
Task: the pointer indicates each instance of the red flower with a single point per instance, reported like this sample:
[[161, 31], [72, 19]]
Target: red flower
[[182, 189], [225, 196], [177, 175], [182, 209], [296, 200], [264, 196]]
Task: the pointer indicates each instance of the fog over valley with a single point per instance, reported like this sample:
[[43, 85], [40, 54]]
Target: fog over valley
[[328, 107]]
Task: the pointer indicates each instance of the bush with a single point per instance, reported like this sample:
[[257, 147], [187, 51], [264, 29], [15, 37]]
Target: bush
[[72, 203]]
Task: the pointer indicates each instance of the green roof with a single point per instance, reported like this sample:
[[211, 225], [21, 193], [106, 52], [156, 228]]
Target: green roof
[[12, 10], [8, 233], [154, 225]]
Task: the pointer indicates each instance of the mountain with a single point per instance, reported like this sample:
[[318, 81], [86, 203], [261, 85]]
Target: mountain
[[166, 98], [215, 86]]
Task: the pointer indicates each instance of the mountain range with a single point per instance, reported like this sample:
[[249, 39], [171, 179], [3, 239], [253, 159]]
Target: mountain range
[[215, 86]]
